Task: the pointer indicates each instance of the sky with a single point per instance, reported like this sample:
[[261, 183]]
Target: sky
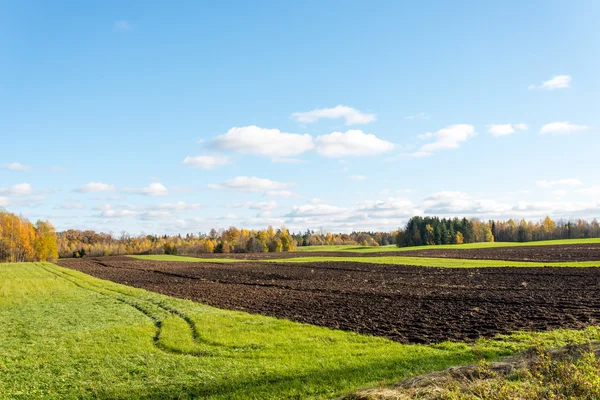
[[177, 117]]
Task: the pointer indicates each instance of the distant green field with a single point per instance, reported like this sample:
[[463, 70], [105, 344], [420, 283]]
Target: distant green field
[[394, 260], [484, 245], [66, 335]]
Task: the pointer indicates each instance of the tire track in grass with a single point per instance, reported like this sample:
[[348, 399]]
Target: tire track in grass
[[147, 309]]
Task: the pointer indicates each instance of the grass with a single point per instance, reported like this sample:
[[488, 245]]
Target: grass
[[393, 260], [568, 373], [484, 245], [71, 336]]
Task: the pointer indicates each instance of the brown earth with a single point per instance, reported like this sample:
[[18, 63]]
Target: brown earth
[[550, 253], [403, 303]]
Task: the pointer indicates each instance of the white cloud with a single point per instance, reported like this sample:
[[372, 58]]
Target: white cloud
[[107, 211], [460, 203], [154, 189], [3, 201], [351, 143], [250, 184], [21, 189], [314, 210], [206, 162], [261, 205], [357, 177], [351, 115], [506, 129], [263, 142], [15, 166], [559, 182], [561, 128], [590, 190], [122, 26], [425, 136], [557, 82], [447, 138], [179, 206], [420, 115], [560, 193], [96, 187], [156, 215]]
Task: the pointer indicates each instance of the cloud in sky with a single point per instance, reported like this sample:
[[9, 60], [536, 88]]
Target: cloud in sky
[[206, 162], [351, 115], [96, 187], [351, 143], [557, 82], [154, 189], [281, 145], [506, 129], [559, 182], [250, 184], [561, 128], [450, 137], [20, 189], [15, 166], [263, 142]]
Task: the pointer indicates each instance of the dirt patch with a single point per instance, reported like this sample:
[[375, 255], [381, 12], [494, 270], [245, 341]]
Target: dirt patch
[[402, 303], [552, 253]]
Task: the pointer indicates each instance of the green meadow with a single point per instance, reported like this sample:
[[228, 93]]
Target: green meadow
[[71, 336], [482, 245]]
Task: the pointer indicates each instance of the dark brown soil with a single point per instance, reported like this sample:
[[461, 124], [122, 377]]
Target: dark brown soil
[[551, 253], [403, 303]]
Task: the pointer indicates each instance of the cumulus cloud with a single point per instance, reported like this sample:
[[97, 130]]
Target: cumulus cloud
[[263, 142], [154, 189], [559, 182], [561, 128], [506, 129], [447, 138], [96, 187], [590, 190], [4, 201], [15, 166], [250, 184], [351, 115], [351, 143], [206, 162], [21, 189], [557, 82]]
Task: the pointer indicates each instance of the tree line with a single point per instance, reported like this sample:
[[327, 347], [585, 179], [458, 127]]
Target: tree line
[[420, 231], [20, 240]]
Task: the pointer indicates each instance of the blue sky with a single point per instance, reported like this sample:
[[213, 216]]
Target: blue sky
[[172, 117]]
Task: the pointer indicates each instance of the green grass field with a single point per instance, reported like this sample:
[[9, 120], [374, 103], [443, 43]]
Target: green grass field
[[484, 245], [71, 336], [394, 260]]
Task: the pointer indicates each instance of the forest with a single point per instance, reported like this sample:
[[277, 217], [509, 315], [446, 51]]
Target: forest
[[422, 231], [21, 240]]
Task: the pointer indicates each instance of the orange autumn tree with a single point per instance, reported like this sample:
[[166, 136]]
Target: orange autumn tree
[[21, 241]]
